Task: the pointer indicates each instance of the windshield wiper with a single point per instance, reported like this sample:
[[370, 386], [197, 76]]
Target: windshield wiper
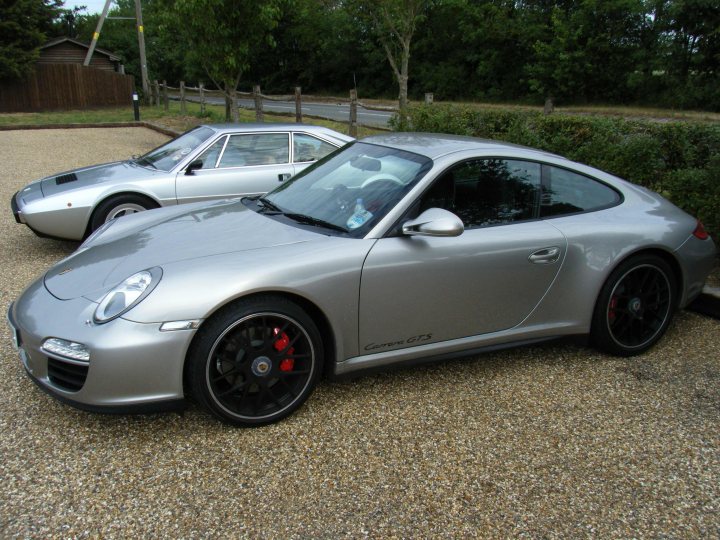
[[141, 160], [309, 220], [264, 203]]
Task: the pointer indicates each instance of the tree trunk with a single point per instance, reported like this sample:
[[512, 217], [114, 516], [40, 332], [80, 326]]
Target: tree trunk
[[403, 80], [234, 113], [228, 105]]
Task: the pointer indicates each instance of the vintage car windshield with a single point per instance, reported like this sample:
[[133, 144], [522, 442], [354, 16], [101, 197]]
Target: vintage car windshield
[[168, 155], [350, 190]]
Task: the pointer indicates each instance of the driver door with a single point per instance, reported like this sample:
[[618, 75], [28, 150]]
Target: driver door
[[237, 165], [419, 290]]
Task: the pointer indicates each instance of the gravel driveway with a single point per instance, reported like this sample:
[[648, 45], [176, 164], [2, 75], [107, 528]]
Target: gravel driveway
[[544, 441]]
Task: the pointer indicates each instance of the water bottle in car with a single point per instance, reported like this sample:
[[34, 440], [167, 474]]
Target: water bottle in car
[[360, 216]]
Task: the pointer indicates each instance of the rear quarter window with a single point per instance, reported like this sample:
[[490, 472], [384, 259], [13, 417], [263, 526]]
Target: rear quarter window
[[566, 192]]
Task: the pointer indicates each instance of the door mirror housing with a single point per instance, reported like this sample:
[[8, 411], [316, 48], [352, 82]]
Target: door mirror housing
[[434, 222], [194, 166]]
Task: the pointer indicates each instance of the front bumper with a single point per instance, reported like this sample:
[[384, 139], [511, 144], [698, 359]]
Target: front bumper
[[16, 209], [133, 367]]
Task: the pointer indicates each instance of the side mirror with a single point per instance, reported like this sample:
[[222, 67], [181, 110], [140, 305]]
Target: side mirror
[[434, 222], [194, 166]]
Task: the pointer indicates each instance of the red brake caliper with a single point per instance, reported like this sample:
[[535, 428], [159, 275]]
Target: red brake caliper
[[286, 364], [611, 308]]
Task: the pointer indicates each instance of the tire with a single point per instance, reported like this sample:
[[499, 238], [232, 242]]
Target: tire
[[255, 362], [118, 206], [635, 306]]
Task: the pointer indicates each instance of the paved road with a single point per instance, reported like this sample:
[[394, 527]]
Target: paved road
[[332, 111]]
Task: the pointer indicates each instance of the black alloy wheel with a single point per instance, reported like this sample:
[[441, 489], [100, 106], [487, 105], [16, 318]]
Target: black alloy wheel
[[635, 306], [257, 362]]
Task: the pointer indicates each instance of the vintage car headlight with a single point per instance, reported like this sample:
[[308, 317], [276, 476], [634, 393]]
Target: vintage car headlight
[[127, 295]]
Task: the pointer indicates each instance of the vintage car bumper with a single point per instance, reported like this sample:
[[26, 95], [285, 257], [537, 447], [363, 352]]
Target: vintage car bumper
[[46, 219], [132, 367]]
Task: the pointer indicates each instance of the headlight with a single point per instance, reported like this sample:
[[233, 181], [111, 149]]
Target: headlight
[[127, 295]]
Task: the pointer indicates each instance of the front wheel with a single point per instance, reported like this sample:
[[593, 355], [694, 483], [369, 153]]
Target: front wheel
[[118, 206], [634, 307], [255, 362]]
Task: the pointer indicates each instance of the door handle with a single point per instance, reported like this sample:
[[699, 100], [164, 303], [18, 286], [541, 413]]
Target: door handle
[[545, 255], [283, 176]]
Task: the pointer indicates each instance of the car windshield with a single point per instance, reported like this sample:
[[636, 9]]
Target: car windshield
[[350, 190], [168, 155]]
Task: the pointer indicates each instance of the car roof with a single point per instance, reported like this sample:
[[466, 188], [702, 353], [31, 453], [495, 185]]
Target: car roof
[[284, 126], [434, 145]]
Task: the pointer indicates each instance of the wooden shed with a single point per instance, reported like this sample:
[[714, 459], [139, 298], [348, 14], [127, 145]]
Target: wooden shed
[[65, 50]]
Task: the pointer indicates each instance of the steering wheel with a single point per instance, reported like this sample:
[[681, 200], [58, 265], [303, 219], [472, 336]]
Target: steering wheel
[[382, 177]]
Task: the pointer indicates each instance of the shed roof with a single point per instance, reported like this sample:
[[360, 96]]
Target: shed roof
[[57, 41]]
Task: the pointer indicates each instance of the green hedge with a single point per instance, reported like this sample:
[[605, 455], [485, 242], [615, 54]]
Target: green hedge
[[680, 160]]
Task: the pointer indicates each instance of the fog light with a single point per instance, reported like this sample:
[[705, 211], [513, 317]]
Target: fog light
[[67, 349]]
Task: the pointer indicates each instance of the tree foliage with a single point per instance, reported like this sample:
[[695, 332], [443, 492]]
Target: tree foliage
[[24, 26], [659, 52]]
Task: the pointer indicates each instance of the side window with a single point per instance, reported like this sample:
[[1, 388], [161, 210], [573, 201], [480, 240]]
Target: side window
[[487, 192], [309, 148], [568, 192], [210, 156], [249, 149]]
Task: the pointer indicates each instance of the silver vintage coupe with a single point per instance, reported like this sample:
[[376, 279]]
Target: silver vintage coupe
[[208, 162], [392, 250]]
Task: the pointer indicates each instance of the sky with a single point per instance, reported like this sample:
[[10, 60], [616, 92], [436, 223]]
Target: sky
[[93, 6]]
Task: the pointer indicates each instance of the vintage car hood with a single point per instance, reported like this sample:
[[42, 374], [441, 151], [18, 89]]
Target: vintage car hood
[[119, 171], [163, 236]]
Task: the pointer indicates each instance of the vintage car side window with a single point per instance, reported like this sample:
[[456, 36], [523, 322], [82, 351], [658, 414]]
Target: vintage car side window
[[309, 148], [250, 149], [210, 156], [487, 192], [567, 192]]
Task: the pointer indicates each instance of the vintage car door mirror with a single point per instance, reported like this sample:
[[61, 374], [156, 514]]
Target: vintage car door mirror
[[194, 166], [434, 222]]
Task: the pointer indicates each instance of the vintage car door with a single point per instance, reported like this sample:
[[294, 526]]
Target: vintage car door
[[238, 164], [419, 290]]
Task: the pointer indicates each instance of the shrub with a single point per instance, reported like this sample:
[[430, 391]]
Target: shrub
[[681, 160]]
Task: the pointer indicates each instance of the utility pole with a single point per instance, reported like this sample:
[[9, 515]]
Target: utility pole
[[141, 42], [141, 45], [96, 35]]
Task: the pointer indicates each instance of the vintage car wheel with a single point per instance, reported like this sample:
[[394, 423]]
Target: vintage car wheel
[[635, 306], [118, 206], [256, 361]]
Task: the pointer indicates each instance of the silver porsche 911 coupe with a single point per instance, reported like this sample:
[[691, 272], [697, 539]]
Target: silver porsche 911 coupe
[[208, 162], [391, 250]]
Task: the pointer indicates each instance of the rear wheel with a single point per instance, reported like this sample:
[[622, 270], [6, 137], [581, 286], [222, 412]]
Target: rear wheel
[[118, 206], [255, 362], [635, 306]]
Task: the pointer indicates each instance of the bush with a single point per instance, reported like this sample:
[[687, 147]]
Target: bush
[[680, 160]]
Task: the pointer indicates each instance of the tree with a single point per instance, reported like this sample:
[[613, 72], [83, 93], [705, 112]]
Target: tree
[[220, 36], [394, 22], [24, 25]]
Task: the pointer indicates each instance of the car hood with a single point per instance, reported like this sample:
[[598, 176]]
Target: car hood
[[163, 236], [119, 171]]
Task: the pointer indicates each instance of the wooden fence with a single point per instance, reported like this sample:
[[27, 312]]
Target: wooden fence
[[160, 95], [66, 86]]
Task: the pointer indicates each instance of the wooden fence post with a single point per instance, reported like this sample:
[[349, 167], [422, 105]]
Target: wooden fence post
[[429, 98], [549, 107], [202, 99], [183, 106], [298, 105], [258, 104], [166, 101], [156, 93], [353, 113]]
